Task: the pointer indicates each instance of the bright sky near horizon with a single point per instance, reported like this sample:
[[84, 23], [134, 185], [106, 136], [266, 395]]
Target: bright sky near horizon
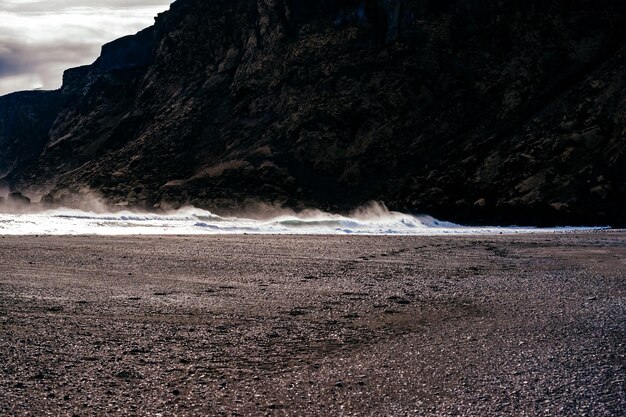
[[39, 39]]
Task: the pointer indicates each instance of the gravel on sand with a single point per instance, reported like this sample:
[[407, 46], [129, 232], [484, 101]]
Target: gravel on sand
[[314, 325]]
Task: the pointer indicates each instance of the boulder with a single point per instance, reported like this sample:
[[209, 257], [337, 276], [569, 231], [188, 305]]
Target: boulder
[[18, 199]]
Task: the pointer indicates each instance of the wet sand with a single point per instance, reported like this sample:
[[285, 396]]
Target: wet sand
[[289, 325]]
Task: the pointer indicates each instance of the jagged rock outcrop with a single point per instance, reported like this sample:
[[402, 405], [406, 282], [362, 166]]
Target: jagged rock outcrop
[[477, 111]]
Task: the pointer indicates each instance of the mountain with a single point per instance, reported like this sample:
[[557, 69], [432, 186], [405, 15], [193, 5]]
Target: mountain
[[480, 111]]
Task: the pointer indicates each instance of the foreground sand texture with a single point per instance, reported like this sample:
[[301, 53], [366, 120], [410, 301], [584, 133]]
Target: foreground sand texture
[[255, 325]]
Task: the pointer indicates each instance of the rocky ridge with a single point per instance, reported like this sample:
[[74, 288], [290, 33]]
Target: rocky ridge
[[481, 112]]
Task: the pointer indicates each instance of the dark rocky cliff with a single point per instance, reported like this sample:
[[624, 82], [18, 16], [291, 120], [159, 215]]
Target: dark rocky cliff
[[477, 111], [25, 121]]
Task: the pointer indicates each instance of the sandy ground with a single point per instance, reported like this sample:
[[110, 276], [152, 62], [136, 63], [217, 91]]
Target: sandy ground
[[256, 325]]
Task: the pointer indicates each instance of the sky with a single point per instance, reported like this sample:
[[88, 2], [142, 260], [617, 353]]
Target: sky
[[39, 39]]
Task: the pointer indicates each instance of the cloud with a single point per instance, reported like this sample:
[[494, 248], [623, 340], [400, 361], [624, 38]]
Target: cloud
[[40, 39], [39, 6]]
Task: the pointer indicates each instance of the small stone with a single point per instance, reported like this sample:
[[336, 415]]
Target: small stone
[[124, 375], [481, 202]]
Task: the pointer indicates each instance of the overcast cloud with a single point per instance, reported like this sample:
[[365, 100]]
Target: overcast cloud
[[40, 39]]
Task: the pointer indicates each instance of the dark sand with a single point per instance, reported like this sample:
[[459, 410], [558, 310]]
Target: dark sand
[[254, 325]]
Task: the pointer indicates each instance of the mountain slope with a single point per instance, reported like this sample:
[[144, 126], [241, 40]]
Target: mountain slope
[[476, 111]]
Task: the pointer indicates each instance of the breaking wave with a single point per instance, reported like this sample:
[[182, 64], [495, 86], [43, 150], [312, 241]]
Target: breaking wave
[[374, 219]]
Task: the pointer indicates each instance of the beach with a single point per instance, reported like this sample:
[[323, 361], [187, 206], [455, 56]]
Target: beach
[[528, 324]]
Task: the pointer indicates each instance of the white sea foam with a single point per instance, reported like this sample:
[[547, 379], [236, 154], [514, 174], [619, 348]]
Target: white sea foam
[[371, 220]]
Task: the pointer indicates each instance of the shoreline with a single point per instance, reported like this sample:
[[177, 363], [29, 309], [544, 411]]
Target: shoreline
[[371, 220], [508, 231]]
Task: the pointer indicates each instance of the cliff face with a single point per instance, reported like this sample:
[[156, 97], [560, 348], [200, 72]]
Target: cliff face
[[25, 119], [481, 111]]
